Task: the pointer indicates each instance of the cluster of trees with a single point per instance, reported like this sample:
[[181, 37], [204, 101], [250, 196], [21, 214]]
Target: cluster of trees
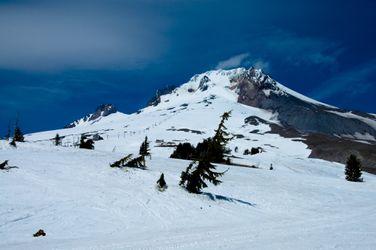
[[140, 162], [208, 151], [86, 143], [213, 148], [194, 178], [137, 162], [17, 134], [253, 151], [200, 170]]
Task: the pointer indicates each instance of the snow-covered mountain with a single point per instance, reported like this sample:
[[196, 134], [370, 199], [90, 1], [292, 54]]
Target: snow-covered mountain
[[303, 203], [260, 106], [101, 111]]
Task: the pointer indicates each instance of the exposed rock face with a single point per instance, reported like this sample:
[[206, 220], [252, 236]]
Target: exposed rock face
[[101, 111], [255, 120], [324, 129], [203, 83], [155, 100], [259, 90], [338, 149]]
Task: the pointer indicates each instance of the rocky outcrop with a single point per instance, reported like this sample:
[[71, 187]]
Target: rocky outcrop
[[203, 86], [257, 89], [326, 130], [155, 100], [101, 111]]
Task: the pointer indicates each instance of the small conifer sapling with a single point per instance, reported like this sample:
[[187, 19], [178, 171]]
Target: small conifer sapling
[[57, 140], [161, 183], [353, 169]]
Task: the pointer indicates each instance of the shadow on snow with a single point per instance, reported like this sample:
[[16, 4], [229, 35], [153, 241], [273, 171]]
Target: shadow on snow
[[215, 197]]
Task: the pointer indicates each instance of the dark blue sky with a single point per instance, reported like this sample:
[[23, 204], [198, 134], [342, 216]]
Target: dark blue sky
[[61, 59]]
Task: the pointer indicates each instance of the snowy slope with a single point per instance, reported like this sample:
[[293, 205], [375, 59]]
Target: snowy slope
[[198, 112], [82, 203]]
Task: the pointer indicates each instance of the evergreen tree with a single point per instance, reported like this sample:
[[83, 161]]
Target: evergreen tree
[[184, 176], [221, 135], [193, 179], [208, 149], [144, 148], [18, 135], [353, 169], [255, 151], [87, 144], [161, 183], [57, 140], [217, 146], [138, 162], [184, 151], [212, 149], [122, 162]]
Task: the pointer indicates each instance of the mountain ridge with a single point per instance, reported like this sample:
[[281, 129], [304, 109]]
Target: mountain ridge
[[274, 109]]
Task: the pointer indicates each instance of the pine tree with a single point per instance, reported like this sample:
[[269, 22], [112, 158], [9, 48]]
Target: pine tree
[[184, 151], [221, 135], [185, 175], [212, 149], [193, 179], [144, 148], [138, 162], [18, 135], [122, 162], [87, 144], [57, 140], [161, 183], [220, 139], [353, 170]]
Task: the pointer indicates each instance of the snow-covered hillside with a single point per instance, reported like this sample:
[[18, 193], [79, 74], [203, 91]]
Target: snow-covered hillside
[[181, 116], [82, 203]]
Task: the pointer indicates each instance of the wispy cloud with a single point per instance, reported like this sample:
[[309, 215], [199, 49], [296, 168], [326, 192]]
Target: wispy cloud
[[354, 82], [244, 60], [261, 64], [232, 62]]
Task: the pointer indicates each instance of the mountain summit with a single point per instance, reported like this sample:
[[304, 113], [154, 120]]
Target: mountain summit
[[265, 114]]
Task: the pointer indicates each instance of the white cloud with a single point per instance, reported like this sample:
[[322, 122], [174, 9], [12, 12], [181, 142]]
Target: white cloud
[[243, 60], [261, 64], [232, 62]]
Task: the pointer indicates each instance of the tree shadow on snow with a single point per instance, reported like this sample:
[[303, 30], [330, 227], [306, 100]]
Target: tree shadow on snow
[[215, 197]]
